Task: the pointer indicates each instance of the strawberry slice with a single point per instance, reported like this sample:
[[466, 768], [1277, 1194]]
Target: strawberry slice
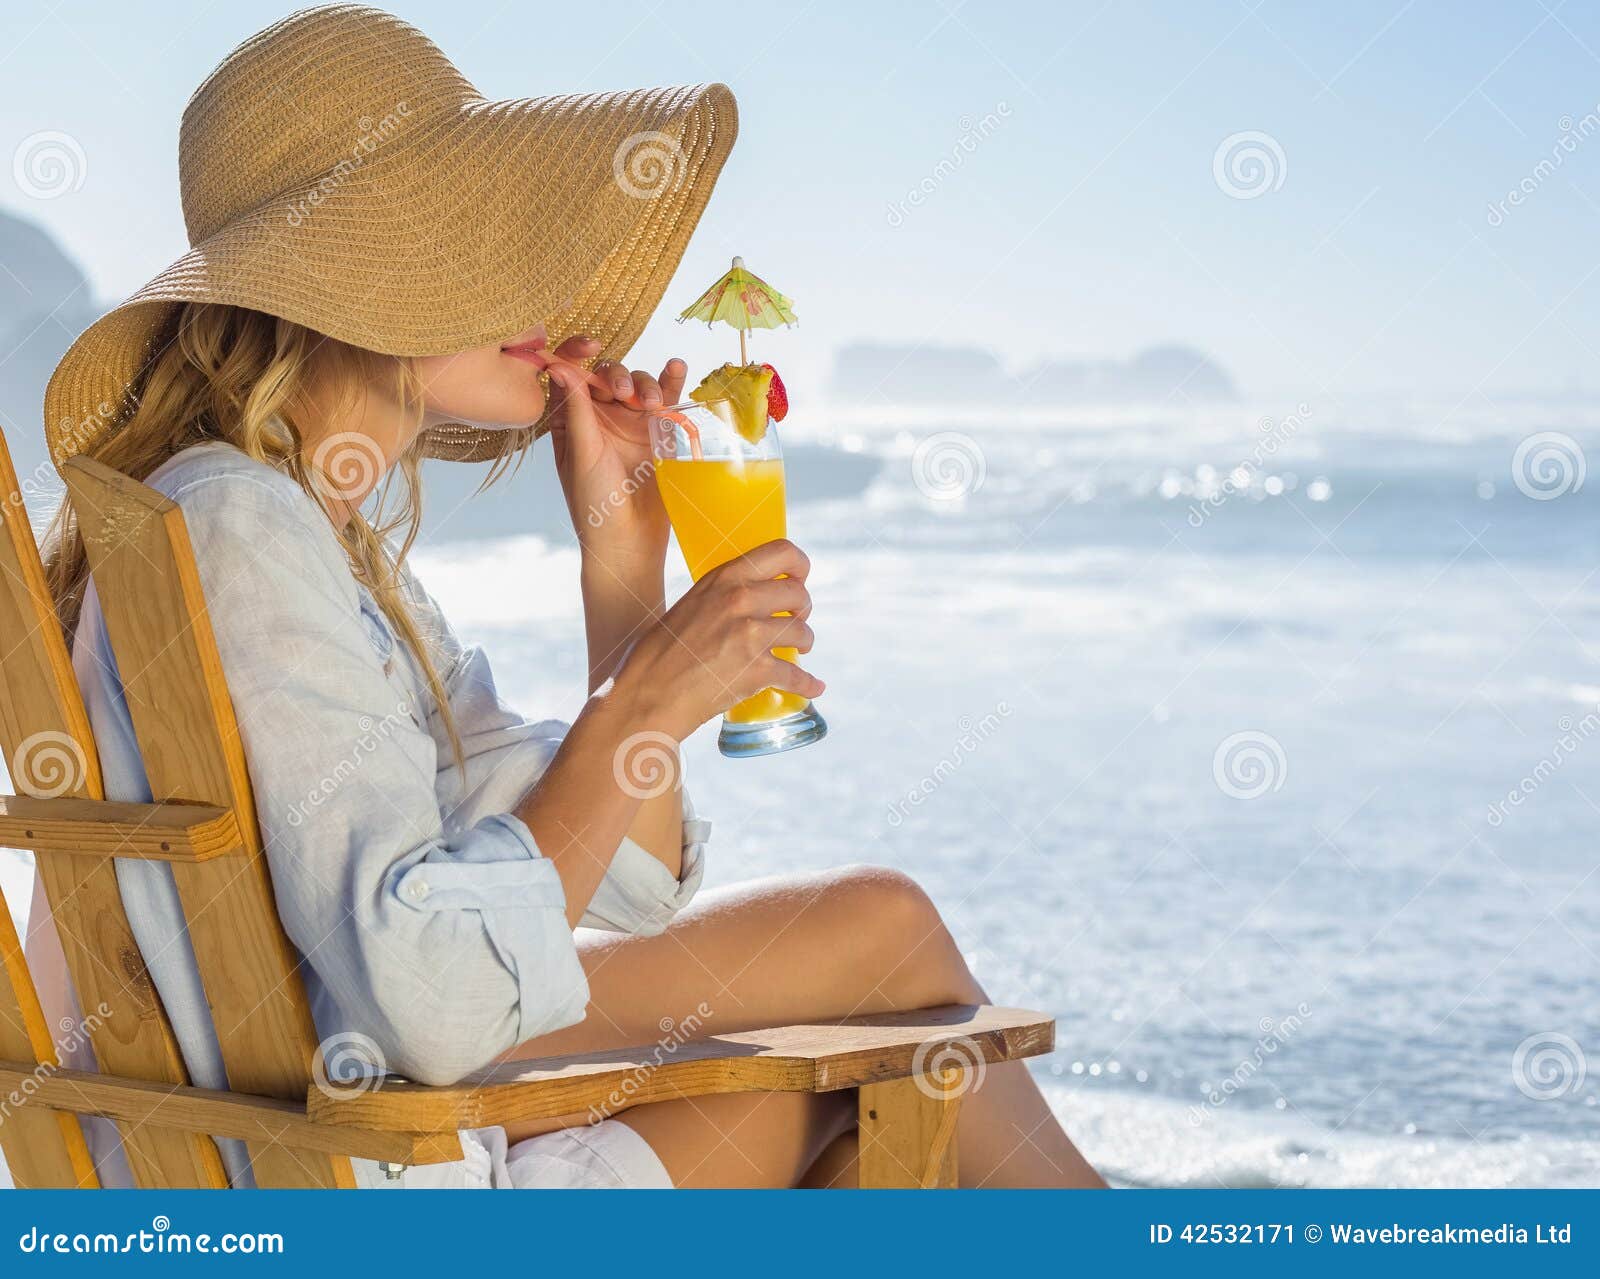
[[777, 397]]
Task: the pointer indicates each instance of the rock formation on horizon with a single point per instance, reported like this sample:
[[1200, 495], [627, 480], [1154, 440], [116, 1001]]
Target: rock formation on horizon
[[45, 302], [908, 372]]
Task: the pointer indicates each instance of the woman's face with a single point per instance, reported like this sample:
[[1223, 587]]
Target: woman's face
[[495, 387]]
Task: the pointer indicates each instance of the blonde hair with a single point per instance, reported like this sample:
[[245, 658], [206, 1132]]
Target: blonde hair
[[256, 381]]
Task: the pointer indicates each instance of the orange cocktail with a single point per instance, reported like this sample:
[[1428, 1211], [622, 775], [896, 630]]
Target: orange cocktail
[[725, 496], [721, 508]]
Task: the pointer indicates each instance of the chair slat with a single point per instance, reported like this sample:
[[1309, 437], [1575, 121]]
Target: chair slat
[[49, 750], [102, 828], [44, 1149], [149, 590], [226, 1114]]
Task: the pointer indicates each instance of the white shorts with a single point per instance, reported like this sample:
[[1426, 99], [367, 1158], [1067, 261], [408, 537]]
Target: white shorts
[[608, 1155]]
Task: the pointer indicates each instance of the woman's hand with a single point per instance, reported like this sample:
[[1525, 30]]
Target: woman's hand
[[714, 646], [602, 451]]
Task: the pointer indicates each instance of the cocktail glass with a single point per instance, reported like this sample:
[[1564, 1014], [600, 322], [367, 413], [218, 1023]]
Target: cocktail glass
[[725, 496]]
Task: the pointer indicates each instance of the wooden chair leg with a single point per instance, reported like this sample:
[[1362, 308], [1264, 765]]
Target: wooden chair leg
[[908, 1132]]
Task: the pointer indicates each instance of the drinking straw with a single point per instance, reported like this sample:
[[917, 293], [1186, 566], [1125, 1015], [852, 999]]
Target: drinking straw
[[632, 401], [689, 429], [594, 379]]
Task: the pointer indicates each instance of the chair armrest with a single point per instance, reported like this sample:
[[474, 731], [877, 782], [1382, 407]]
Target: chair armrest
[[219, 1114], [811, 1058]]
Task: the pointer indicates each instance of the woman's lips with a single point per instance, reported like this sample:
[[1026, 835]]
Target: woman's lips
[[532, 353]]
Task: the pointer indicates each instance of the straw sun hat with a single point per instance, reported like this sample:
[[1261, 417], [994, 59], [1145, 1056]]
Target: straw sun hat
[[338, 171]]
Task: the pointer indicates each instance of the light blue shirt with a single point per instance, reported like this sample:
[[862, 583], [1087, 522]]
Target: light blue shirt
[[428, 920]]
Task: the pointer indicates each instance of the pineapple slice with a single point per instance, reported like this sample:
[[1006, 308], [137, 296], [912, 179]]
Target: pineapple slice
[[738, 395]]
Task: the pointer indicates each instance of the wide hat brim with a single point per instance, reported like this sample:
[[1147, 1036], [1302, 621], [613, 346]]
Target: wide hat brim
[[572, 211]]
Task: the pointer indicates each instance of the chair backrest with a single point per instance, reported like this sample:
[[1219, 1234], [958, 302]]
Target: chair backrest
[[149, 590]]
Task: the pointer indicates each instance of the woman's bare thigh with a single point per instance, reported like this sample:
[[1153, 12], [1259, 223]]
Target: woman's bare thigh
[[795, 949], [768, 952]]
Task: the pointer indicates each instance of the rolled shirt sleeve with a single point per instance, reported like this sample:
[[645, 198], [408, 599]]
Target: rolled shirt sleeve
[[504, 756], [638, 894], [498, 874]]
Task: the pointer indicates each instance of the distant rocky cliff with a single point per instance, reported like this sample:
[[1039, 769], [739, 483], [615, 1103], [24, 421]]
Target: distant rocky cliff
[[45, 302], [909, 372]]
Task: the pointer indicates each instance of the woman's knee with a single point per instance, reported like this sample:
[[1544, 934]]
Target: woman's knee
[[884, 901], [896, 939]]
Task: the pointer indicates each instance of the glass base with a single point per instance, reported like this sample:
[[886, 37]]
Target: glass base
[[740, 741]]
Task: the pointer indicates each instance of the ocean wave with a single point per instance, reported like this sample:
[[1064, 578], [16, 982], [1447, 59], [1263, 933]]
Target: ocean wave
[[1152, 1141]]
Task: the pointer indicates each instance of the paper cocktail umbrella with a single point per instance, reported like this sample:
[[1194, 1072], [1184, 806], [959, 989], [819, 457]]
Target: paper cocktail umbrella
[[744, 300]]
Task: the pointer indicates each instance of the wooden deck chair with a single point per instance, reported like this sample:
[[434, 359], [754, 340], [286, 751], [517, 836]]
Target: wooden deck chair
[[911, 1069]]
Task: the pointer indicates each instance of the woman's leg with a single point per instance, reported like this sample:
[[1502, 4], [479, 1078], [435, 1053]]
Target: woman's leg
[[758, 1140], [835, 1168], [797, 949]]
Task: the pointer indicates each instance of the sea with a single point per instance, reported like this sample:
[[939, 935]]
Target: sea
[[1257, 743]]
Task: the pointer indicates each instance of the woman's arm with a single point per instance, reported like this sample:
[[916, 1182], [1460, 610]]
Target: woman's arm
[[602, 452], [711, 649], [668, 672], [578, 824], [621, 600]]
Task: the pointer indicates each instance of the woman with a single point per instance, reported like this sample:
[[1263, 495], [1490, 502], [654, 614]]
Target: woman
[[439, 287]]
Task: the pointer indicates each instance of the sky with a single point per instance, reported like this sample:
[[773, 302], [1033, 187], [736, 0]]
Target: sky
[[1045, 180]]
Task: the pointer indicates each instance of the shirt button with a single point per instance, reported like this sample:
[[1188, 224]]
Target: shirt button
[[417, 889]]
